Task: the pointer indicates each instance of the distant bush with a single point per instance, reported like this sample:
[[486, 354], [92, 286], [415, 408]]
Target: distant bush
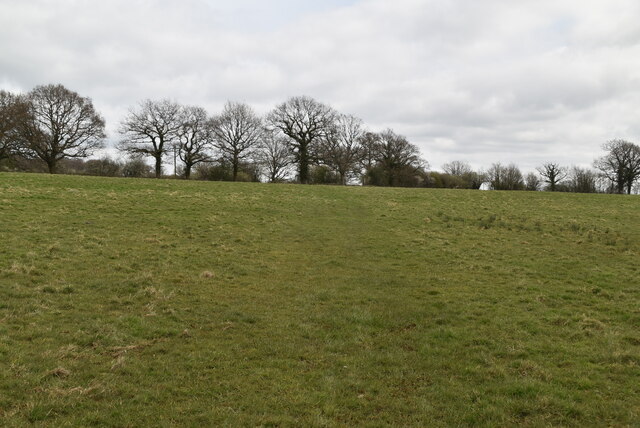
[[70, 166], [20, 163], [222, 171], [404, 176], [447, 181], [212, 172], [323, 175], [244, 176], [135, 168], [8, 164], [105, 167]]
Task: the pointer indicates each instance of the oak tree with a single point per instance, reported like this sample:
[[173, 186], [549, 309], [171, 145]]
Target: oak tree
[[194, 138], [236, 133], [305, 121], [340, 147], [151, 129], [274, 156], [553, 174], [621, 165], [60, 124], [13, 111]]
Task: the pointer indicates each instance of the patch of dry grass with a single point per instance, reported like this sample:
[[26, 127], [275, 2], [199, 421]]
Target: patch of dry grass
[[152, 302]]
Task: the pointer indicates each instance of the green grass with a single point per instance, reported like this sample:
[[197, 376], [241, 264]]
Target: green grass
[[159, 303]]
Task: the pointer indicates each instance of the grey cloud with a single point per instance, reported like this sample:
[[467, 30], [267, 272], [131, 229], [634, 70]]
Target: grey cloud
[[480, 81]]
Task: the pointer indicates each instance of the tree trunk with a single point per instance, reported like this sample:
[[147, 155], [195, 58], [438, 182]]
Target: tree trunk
[[187, 171], [158, 167], [304, 164], [235, 168], [620, 183], [51, 165]]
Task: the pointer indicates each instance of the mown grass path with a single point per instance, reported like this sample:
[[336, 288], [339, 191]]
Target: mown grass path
[[156, 303]]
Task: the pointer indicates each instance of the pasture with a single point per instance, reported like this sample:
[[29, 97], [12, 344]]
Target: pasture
[[134, 302]]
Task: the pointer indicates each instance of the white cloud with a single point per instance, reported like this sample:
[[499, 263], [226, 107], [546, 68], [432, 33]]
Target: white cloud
[[525, 82]]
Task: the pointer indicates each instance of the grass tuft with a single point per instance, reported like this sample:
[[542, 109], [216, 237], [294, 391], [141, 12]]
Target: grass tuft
[[167, 302]]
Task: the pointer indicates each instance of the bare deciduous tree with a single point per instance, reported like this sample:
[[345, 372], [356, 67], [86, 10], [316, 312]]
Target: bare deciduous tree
[[458, 168], [7, 123], [151, 130], [340, 148], [369, 146], [194, 138], [583, 180], [13, 112], [553, 174], [476, 179], [236, 132], [60, 124], [621, 165], [397, 158], [305, 121], [462, 171], [274, 156], [505, 177], [532, 182]]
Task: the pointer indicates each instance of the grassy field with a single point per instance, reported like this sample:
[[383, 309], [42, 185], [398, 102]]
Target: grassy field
[[160, 303]]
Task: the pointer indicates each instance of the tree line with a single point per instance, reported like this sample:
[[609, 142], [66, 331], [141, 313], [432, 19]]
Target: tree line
[[52, 128]]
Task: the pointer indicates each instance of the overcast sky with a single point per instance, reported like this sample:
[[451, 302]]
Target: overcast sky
[[524, 81]]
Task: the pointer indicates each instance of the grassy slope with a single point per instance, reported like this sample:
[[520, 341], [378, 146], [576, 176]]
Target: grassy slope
[[134, 302]]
